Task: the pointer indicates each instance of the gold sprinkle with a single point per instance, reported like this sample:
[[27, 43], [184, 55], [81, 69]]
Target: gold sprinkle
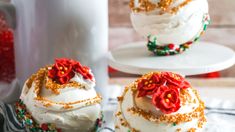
[[120, 99], [117, 127], [167, 100], [168, 95], [55, 87], [178, 130], [118, 113], [67, 106], [47, 104], [164, 5], [192, 130], [89, 101]]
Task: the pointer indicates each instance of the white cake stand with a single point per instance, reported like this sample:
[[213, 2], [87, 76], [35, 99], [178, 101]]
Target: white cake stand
[[203, 57]]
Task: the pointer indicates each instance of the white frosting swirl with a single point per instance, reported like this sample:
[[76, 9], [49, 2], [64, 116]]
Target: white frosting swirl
[[80, 117], [168, 28], [141, 124]]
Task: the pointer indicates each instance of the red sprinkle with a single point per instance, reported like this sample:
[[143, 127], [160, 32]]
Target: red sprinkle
[[190, 42], [171, 46], [44, 126]]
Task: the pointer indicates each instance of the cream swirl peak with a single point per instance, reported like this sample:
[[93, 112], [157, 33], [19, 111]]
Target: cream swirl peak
[[63, 94], [170, 21]]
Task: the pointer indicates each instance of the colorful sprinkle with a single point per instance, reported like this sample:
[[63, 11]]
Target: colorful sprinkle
[[172, 49], [27, 120]]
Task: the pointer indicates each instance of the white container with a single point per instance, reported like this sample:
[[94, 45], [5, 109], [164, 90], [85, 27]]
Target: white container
[[49, 29]]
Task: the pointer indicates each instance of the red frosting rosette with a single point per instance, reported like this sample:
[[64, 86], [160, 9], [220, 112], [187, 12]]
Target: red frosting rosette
[[149, 86], [167, 99], [164, 88], [64, 69]]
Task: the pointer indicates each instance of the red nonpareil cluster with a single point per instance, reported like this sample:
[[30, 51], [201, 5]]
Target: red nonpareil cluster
[[164, 88], [7, 59], [47, 127], [64, 69]]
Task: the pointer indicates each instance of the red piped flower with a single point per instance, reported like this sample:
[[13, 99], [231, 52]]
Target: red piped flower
[[61, 71], [167, 100], [149, 86], [84, 71], [64, 69], [175, 80], [164, 88]]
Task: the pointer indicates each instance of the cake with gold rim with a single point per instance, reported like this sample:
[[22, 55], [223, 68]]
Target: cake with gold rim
[[160, 101], [170, 26], [60, 97]]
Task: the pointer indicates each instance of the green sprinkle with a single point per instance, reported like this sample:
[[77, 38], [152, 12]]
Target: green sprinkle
[[172, 53], [159, 50], [33, 130], [28, 121], [174, 124], [166, 48], [22, 111], [205, 27], [196, 39], [149, 36]]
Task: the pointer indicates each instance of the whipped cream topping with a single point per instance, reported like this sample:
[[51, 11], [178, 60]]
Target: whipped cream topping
[[143, 125], [73, 109], [178, 28]]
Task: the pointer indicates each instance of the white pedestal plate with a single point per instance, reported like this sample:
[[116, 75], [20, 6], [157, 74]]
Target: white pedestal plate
[[203, 57]]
